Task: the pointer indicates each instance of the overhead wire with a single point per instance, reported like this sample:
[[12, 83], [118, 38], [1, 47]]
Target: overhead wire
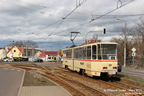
[[86, 23], [26, 8], [56, 27], [80, 3], [52, 8], [107, 13], [48, 26], [83, 24]]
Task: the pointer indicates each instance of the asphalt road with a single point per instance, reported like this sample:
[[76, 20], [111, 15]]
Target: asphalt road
[[132, 72], [10, 81]]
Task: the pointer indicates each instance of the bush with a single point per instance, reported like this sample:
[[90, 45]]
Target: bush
[[20, 59], [5, 57]]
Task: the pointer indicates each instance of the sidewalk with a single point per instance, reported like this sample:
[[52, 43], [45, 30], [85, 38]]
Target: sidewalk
[[132, 69], [55, 90], [44, 91]]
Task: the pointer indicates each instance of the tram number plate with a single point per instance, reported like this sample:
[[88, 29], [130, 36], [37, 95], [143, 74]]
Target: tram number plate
[[110, 64], [112, 72], [81, 63]]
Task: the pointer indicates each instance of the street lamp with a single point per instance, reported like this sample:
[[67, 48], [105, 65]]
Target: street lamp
[[124, 43], [91, 32]]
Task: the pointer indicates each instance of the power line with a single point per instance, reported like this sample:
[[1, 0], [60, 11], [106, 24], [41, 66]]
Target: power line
[[107, 13], [77, 6], [48, 26], [53, 8], [87, 23], [57, 27], [26, 8], [122, 15]]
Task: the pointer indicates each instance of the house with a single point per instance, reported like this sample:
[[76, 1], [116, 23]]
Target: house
[[15, 52], [2, 53], [45, 54], [37, 54], [29, 52]]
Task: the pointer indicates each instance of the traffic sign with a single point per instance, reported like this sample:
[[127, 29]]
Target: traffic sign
[[133, 49], [133, 53]]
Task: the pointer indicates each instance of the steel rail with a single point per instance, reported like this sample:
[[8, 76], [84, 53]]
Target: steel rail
[[115, 84], [60, 77], [63, 81], [99, 92]]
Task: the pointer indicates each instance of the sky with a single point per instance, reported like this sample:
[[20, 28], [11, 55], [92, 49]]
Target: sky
[[48, 22]]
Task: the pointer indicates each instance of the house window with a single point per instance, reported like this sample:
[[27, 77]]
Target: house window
[[14, 50]]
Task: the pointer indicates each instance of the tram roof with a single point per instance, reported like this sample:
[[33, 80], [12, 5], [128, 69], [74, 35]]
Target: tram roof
[[93, 44]]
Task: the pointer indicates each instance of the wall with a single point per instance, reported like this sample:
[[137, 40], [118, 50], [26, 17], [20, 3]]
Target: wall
[[16, 53]]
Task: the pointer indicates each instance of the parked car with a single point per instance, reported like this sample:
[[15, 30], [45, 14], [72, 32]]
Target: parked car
[[8, 60], [38, 60], [119, 67]]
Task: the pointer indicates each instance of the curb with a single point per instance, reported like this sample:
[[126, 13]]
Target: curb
[[19, 92], [56, 84]]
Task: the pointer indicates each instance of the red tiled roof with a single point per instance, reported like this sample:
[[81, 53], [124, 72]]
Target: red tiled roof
[[21, 49], [49, 53]]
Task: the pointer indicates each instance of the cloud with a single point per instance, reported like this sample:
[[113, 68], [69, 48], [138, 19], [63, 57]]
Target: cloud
[[32, 20]]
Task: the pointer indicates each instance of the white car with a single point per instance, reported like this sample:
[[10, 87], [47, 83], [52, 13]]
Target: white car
[[8, 60]]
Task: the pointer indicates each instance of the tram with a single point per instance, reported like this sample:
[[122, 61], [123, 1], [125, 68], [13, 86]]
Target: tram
[[51, 58], [92, 59]]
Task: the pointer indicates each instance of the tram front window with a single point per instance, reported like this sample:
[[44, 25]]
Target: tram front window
[[109, 51]]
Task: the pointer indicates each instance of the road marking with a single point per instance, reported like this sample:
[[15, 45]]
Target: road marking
[[18, 70], [12, 69], [6, 68]]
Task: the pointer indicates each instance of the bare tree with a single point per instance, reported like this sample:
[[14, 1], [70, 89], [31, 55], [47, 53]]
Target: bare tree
[[138, 39], [120, 51], [27, 43]]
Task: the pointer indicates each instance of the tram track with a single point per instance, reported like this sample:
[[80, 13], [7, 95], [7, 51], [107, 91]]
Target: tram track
[[87, 90], [111, 85], [60, 75], [66, 83]]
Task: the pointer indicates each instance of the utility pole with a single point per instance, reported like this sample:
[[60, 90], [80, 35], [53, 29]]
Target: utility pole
[[58, 50], [32, 54], [124, 42], [26, 50]]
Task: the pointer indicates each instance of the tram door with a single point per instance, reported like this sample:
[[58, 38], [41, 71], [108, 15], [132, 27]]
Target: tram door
[[73, 58]]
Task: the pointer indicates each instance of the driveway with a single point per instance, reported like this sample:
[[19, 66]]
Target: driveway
[[10, 81], [132, 72]]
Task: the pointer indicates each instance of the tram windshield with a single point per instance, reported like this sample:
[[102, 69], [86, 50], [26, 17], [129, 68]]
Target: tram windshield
[[109, 51]]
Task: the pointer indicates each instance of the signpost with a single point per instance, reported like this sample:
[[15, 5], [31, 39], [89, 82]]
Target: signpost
[[133, 54]]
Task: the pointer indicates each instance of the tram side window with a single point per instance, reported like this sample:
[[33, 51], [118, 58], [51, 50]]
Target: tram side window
[[94, 52], [84, 53], [64, 54], [88, 52], [70, 53], [76, 53], [99, 52], [80, 53], [67, 55]]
